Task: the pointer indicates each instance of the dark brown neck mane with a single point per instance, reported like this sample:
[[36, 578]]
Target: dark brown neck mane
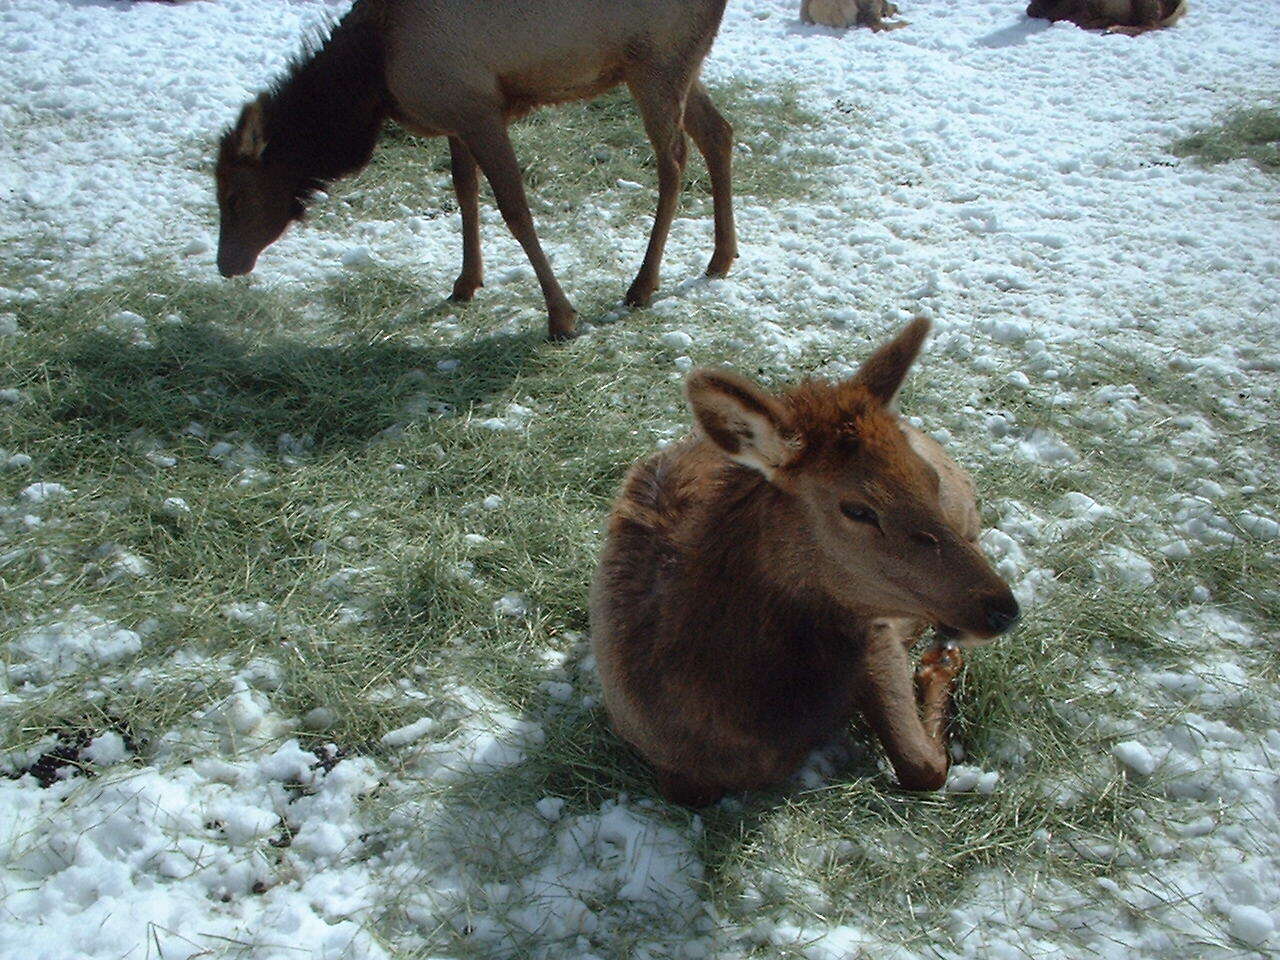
[[323, 118]]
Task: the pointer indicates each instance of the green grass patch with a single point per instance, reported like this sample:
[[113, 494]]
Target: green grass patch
[[576, 155], [1252, 134]]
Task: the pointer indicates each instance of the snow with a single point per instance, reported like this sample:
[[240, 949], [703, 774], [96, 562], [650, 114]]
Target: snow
[[1006, 177], [1251, 924], [43, 491], [1135, 757], [106, 749], [409, 733], [175, 507], [79, 639], [677, 340], [511, 605]]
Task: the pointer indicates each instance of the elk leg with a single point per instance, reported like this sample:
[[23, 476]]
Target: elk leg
[[713, 136], [660, 109], [916, 749], [467, 186], [491, 148]]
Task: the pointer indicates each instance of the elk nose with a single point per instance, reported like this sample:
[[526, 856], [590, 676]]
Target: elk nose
[[1002, 612]]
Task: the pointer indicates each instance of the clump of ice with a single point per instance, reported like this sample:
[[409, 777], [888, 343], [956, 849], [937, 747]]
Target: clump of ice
[[175, 507], [962, 778], [677, 340], [1250, 924], [515, 418], [105, 749], [1135, 757], [1011, 561], [1125, 566], [409, 733], [129, 325], [511, 605], [485, 741]]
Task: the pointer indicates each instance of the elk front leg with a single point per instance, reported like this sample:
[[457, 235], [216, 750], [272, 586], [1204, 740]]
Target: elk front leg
[[491, 148], [916, 748], [466, 184]]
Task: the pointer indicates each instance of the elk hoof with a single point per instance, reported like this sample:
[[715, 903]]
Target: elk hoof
[[640, 295], [563, 328], [924, 779], [464, 290], [940, 664], [719, 266]]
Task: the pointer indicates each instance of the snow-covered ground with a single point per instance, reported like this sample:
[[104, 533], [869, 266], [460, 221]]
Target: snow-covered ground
[[1010, 178]]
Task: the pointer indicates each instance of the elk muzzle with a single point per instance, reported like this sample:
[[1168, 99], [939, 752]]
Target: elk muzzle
[[234, 262]]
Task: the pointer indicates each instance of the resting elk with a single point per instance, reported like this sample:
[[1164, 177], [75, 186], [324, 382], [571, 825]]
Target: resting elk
[[765, 578]]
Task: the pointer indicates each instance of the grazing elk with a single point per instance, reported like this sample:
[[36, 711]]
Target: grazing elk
[[766, 577], [1130, 17], [466, 70]]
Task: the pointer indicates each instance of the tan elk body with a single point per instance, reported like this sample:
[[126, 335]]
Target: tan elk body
[[851, 13], [464, 69], [764, 579], [1130, 17]]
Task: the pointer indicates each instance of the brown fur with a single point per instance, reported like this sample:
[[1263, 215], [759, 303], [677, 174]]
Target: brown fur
[[851, 13], [1130, 17], [465, 70], [764, 578]]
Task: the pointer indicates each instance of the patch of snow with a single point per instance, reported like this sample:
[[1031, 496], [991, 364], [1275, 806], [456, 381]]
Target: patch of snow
[[511, 605], [78, 640], [43, 491]]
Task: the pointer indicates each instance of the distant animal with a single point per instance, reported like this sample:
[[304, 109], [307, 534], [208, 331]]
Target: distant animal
[[850, 13], [764, 579], [1130, 17], [465, 70]]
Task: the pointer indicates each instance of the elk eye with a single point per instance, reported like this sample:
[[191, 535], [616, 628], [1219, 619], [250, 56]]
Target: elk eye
[[860, 514]]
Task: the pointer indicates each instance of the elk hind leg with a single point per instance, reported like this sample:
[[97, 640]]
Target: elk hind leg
[[660, 99], [713, 135]]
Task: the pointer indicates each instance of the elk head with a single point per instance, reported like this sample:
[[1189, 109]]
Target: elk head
[[258, 197], [859, 505]]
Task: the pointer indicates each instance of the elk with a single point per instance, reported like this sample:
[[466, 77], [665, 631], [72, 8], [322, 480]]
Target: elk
[[1130, 17], [765, 578], [851, 13], [465, 71]]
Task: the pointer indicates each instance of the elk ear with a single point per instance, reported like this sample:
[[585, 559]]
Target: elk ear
[[882, 373], [746, 423], [251, 136]]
